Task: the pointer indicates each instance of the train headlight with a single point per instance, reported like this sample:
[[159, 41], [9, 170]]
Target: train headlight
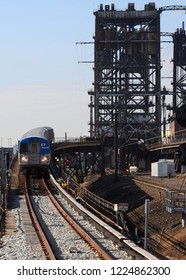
[[45, 159], [23, 158]]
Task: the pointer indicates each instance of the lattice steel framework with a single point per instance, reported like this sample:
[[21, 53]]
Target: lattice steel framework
[[179, 69], [127, 73]]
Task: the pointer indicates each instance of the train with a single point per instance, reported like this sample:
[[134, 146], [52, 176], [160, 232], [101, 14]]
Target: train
[[34, 150]]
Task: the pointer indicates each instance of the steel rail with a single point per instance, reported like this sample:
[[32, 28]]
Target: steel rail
[[158, 232], [116, 235], [150, 184], [95, 245], [43, 240]]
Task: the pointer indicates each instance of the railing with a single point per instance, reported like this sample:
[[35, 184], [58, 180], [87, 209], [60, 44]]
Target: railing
[[177, 139], [180, 136], [176, 201], [89, 199], [71, 139], [101, 205], [98, 205]]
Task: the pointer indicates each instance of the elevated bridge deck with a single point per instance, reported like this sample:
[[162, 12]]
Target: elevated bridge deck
[[79, 157], [164, 146], [80, 146]]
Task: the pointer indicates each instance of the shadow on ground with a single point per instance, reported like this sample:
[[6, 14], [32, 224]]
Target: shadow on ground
[[124, 190]]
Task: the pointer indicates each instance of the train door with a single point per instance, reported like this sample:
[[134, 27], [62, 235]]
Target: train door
[[34, 153]]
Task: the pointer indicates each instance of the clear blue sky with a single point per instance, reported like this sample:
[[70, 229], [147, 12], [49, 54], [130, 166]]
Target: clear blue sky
[[41, 81]]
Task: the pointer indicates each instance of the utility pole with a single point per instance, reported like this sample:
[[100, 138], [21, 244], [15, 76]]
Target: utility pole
[[116, 145], [147, 201]]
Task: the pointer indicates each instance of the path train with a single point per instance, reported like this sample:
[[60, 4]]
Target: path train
[[34, 150]]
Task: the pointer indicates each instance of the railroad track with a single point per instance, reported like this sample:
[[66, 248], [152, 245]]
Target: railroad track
[[42, 237], [150, 184], [37, 198], [158, 235], [159, 239], [111, 250], [103, 253], [102, 248], [52, 226], [122, 240]]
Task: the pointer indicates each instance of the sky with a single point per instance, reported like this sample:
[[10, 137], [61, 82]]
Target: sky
[[43, 81]]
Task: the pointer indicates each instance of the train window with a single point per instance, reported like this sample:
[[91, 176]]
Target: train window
[[23, 148]]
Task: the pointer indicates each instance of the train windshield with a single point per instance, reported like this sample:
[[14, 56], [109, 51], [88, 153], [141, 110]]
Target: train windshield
[[23, 148]]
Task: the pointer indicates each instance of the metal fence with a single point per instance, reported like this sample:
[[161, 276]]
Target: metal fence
[[175, 201]]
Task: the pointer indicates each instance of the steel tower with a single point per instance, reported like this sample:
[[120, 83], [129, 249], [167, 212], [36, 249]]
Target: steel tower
[[179, 68], [126, 73]]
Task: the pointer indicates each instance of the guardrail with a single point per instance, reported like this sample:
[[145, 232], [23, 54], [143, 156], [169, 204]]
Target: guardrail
[[112, 212], [66, 140], [74, 139], [177, 140], [90, 199]]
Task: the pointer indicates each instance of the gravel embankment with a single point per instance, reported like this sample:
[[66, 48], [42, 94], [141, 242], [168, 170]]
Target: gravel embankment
[[67, 243], [16, 245]]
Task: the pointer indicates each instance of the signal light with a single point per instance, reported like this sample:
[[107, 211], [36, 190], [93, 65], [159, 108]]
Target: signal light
[[67, 166]]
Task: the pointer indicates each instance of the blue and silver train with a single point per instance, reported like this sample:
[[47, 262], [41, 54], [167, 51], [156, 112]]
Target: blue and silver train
[[34, 151]]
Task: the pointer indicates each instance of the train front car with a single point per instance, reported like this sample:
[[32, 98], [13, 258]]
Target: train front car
[[35, 150]]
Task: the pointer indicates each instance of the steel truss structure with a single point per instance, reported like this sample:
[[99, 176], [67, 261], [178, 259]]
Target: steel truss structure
[[179, 69], [126, 73], [79, 159]]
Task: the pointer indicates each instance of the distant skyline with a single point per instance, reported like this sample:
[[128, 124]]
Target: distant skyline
[[41, 81]]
